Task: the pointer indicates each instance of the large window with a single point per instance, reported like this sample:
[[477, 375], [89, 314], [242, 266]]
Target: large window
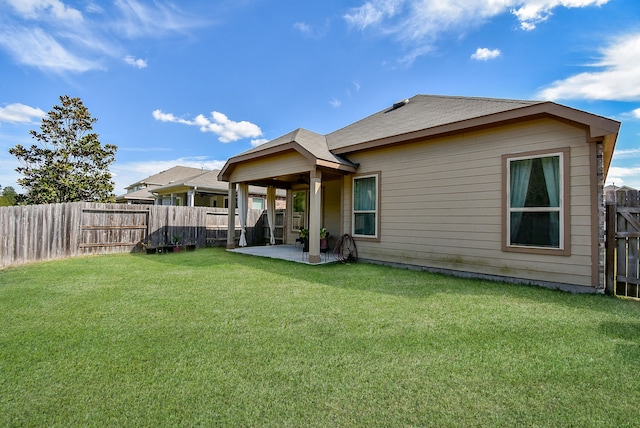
[[365, 206], [536, 201]]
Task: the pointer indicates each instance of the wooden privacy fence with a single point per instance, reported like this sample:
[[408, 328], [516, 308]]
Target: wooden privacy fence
[[43, 232], [623, 244]]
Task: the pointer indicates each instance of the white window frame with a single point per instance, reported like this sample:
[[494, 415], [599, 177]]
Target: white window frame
[[560, 209], [375, 211]]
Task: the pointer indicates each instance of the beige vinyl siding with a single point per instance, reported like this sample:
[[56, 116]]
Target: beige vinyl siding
[[331, 208], [271, 167], [442, 203]]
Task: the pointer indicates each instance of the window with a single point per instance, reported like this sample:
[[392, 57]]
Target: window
[[365, 206], [257, 203], [299, 211], [535, 201]]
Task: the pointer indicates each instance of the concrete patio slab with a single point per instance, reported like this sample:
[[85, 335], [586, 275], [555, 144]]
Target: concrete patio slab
[[292, 253]]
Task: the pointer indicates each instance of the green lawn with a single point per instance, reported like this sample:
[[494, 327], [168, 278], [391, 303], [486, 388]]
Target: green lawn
[[210, 338]]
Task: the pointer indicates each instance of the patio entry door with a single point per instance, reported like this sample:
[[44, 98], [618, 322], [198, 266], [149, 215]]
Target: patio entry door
[[299, 210]]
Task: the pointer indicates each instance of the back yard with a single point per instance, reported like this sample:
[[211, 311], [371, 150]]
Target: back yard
[[210, 338]]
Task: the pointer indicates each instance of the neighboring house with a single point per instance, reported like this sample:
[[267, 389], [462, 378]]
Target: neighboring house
[[184, 186], [204, 190], [611, 192], [140, 192], [495, 188]]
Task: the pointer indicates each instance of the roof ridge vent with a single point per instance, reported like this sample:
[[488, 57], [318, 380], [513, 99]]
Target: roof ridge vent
[[400, 104]]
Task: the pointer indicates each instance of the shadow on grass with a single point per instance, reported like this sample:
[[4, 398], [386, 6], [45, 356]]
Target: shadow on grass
[[407, 283], [628, 341]]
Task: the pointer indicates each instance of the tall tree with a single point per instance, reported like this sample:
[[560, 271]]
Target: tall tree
[[70, 163]]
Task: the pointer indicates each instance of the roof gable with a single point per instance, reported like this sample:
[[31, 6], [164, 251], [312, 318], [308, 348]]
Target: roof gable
[[309, 144]]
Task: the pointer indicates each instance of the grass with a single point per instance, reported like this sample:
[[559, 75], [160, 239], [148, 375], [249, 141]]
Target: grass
[[210, 338]]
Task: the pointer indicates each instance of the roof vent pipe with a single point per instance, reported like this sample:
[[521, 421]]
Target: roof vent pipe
[[400, 104]]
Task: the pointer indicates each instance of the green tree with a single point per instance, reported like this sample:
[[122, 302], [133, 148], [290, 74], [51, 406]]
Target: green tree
[[69, 163], [3, 201], [9, 196]]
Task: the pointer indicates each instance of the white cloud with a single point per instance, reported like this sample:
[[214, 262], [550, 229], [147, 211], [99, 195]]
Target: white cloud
[[618, 77], [636, 113], [315, 31], [418, 23], [628, 176], [530, 13], [137, 19], [372, 13], [20, 113], [484, 54], [33, 9], [626, 154], [138, 63], [50, 35], [169, 117], [218, 123], [258, 142], [335, 103], [39, 49], [303, 28]]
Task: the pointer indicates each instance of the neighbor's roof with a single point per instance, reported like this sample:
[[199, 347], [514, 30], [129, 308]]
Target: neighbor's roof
[[208, 182], [170, 175], [138, 195], [204, 180]]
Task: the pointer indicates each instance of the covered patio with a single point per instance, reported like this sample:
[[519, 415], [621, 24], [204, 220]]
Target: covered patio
[[297, 162], [291, 253]]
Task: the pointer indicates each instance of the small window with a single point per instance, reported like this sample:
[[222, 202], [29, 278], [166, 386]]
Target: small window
[[365, 206], [535, 202], [257, 203]]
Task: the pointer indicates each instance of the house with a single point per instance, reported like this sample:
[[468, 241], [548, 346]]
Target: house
[[140, 192], [611, 192], [204, 190], [185, 186], [495, 188]]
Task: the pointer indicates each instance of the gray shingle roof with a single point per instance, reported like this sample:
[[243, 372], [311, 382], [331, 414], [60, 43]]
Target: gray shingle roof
[[420, 112], [420, 117], [138, 195], [204, 179], [171, 175], [207, 181], [313, 143]]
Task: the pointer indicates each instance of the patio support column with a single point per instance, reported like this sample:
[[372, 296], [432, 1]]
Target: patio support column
[[231, 222], [191, 198], [315, 186]]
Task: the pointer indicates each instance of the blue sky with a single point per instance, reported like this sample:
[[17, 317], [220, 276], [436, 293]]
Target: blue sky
[[195, 82]]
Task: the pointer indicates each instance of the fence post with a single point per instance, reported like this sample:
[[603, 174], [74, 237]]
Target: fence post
[[610, 249]]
